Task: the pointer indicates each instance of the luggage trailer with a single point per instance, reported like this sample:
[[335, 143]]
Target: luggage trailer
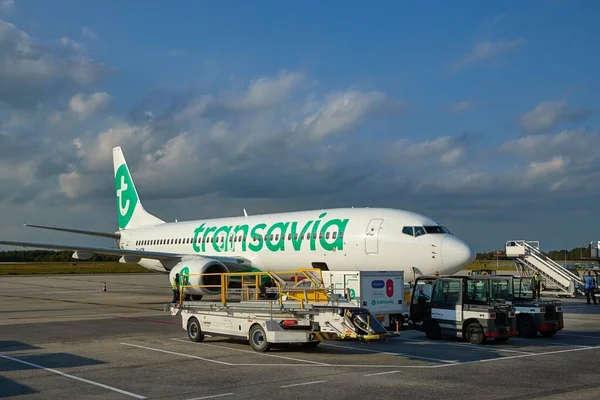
[[279, 314]]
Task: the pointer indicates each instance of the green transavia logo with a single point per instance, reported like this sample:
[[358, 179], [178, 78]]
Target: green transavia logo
[[375, 302], [126, 197], [280, 236]]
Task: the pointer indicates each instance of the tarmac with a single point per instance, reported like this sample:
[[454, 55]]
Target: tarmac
[[63, 337]]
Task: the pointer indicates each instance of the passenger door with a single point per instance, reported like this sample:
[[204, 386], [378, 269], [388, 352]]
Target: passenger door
[[372, 236]]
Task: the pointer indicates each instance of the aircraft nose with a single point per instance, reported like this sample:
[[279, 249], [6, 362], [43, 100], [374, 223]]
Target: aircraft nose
[[456, 254]]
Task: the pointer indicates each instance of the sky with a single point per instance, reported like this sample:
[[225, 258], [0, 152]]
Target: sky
[[481, 115]]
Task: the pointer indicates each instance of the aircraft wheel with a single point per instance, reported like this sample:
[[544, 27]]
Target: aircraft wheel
[[258, 338]]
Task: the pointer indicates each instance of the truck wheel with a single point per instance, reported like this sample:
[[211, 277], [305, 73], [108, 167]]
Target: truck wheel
[[258, 338], [474, 333], [194, 331], [433, 330], [525, 326]]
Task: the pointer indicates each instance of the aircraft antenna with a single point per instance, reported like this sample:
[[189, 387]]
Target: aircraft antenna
[[245, 213]]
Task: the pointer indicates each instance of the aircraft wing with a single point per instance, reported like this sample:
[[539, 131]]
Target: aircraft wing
[[154, 255]]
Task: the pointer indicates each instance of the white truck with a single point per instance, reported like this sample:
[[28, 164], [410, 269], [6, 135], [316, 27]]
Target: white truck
[[381, 292]]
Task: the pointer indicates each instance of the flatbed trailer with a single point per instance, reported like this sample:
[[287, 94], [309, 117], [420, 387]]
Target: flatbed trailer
[[287, 315]]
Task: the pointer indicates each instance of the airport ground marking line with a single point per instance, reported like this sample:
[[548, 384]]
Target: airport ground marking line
[[302, 384], [253, 352], [390, 353], [490, 348], [178, 354], [383, 373], [212, 396], [284, 365], [499, 348], [582, 336], [114, 389], [551, 343], [518, 356]]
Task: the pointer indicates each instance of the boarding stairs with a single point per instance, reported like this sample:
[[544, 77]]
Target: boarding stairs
[[557, 280]]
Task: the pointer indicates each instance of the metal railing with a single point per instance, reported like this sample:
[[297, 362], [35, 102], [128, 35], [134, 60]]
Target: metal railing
[[253, 284], [529, 255]]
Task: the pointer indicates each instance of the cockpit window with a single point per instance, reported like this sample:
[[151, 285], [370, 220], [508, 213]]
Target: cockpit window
[[408, 230], [436, 229], [419, 230]]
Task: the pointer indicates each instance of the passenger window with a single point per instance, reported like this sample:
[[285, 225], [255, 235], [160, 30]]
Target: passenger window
[[334, 235], [327, 235], [408, 230]]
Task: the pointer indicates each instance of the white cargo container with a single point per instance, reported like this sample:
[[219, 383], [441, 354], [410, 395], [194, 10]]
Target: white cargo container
[[381, 292]]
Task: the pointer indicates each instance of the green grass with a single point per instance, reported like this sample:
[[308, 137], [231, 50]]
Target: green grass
[[69, 268]]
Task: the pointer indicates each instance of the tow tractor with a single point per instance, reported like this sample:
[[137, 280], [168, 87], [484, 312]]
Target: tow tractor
[[533, 316], [265, 308], [461, 306]]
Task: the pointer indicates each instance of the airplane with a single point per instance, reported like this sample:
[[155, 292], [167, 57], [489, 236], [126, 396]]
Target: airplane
[[339, 239]]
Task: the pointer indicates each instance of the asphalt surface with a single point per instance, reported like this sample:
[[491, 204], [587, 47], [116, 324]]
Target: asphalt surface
[[63, 337]]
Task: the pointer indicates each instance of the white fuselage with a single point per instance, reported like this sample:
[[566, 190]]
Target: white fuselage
[[334, 239]]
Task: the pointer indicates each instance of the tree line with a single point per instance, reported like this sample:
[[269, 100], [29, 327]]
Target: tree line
[[556, 255]]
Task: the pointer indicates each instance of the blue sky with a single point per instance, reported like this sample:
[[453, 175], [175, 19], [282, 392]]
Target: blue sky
[[482, 115]]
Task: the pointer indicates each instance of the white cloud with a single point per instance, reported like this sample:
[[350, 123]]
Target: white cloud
[[557, 164], [548, 115], [83, 105], [7, 6], [89, 33], [266, 92], [486, 50], [342, 111], [462, 106], [80, 108], [30, 72], [176, 52], [444, 149]]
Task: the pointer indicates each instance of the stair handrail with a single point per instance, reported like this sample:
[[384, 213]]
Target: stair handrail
[[563, 271]]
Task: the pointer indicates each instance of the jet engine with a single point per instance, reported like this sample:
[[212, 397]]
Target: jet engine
[[200, 285]]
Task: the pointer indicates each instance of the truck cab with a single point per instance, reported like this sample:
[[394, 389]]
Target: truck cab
[[533, 316], [466, 307]]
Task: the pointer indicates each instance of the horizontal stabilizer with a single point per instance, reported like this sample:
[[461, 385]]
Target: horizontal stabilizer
[[91, 233]]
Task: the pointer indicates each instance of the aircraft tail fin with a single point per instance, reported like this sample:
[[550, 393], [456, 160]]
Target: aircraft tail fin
[[130, 212]]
